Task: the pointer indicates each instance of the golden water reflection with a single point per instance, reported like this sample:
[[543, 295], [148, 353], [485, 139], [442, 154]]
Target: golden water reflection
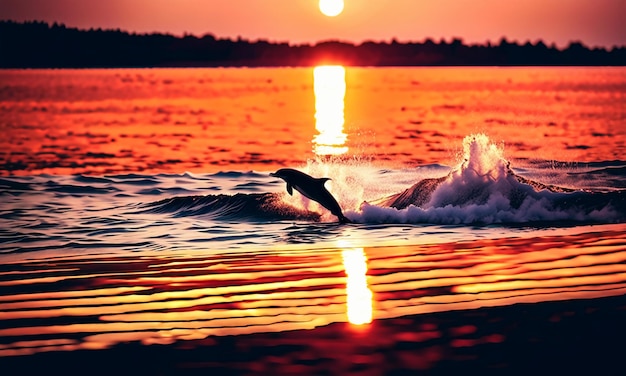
[[359, 295], [329, 86], [73, 303]]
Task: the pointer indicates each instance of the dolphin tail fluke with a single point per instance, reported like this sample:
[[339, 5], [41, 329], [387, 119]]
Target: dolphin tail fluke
[[344, 219]]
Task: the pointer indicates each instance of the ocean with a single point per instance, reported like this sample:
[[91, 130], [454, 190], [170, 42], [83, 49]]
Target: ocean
[[138, 218]]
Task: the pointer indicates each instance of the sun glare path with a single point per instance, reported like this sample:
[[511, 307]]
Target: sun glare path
[[359, 296], [329, 86], [331, 8]]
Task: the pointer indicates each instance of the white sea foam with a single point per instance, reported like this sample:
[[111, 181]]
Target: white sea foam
[[484, 190], [356, 180]]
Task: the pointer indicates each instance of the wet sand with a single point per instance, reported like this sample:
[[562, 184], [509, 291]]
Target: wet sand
[[569, 337]]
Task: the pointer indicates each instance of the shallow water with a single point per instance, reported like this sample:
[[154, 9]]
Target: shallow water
[[69, 302], [137, 206]]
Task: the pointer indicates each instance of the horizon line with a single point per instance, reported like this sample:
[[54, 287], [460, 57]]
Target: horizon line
[[441, 40]]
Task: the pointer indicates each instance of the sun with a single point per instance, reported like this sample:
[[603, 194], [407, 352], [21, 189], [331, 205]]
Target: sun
[[331, 8]]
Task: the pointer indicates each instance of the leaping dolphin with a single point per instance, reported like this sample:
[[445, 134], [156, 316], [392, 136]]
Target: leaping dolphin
[[311, 188]]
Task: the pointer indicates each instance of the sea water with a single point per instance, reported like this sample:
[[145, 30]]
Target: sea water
[[137, 205]]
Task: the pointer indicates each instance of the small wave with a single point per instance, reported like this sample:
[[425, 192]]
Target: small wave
[[185, 175], [92, 179], [238, 207], [250, 186], [126, 176], [78, 189], [12, 185], [616, 171], [159, 191], [140, 182], [236, 174]]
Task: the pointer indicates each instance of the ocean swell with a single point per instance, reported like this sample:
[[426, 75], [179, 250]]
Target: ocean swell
[[254, 207], [485, 190]]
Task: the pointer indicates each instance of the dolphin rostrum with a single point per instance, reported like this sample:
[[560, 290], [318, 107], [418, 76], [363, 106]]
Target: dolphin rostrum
[[311, 188]]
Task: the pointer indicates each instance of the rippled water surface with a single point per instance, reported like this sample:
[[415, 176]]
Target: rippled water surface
[[69, 302], [209, 120], [137, 207]]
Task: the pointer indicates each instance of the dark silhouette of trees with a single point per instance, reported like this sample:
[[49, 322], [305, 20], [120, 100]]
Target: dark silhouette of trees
[[40, 45]]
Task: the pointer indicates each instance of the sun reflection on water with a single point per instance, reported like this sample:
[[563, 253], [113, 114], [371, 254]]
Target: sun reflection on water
[[79, 302], [359, 296], [329, 85]]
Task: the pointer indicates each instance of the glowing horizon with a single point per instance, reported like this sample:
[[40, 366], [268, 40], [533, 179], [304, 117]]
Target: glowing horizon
[[595, 24]]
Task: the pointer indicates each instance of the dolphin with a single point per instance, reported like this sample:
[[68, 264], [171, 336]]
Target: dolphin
[[311, 188]]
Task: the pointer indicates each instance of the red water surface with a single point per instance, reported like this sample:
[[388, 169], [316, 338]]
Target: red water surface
[[74, 302], [207, 120]]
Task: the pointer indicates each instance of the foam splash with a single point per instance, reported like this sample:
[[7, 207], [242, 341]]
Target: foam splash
[[482, 176], [350, 181], [483, 189]]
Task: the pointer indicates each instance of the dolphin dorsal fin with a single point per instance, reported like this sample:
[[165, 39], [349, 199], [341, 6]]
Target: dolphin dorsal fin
[[289, 189], [322, 181]]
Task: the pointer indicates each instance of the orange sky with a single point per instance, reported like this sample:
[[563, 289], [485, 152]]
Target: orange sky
[[594, 22]]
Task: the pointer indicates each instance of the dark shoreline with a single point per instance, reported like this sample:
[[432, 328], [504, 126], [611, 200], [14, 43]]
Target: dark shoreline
[[40, 45], [565, 337]]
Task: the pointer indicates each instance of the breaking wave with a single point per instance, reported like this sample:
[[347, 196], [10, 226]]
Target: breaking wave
[[485, 190]]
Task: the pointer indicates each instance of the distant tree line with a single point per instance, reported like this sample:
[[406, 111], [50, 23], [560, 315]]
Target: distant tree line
[[40, 45]]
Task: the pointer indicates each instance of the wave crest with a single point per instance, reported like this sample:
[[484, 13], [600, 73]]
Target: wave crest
[[484, 189]]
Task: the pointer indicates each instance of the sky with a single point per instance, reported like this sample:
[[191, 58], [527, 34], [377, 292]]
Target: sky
[[596, 23]]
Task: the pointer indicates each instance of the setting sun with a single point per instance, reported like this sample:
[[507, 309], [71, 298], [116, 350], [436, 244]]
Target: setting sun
[[331, 8]]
